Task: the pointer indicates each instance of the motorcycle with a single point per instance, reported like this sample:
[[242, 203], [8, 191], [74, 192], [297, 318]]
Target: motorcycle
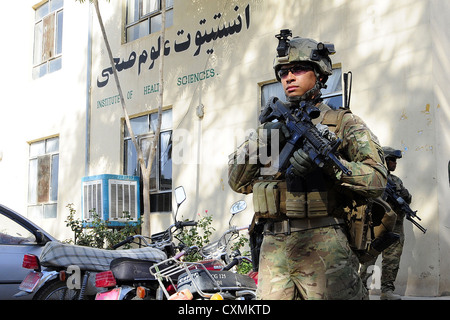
[[211, 278], [127, 278], [67, 272]]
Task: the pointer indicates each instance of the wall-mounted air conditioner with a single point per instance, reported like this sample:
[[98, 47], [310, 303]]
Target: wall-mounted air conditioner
[[111, 197]]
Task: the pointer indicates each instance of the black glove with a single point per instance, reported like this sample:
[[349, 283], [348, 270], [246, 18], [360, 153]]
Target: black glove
[[301, 163], [282, 129]]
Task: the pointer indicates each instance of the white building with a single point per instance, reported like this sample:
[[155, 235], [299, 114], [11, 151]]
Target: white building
[[63, 120]]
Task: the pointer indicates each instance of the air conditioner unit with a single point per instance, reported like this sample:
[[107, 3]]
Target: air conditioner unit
[[111, 197]]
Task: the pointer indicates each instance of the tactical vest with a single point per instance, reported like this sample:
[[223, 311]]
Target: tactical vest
[[297, 198], [369, 222]]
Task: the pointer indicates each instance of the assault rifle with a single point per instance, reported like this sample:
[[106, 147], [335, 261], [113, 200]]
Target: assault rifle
[[303, 134], [401, 203]]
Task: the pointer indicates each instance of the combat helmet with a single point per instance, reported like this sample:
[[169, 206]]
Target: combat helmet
[[307, 50], [390, 152]]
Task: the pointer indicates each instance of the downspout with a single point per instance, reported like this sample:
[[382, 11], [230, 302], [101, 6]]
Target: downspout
[[88, 94]]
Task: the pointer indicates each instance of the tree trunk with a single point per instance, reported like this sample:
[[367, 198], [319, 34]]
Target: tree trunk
[[145, 169]]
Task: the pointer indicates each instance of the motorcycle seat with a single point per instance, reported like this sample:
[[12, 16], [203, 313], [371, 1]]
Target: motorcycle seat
[[58, 254], [128, 269]]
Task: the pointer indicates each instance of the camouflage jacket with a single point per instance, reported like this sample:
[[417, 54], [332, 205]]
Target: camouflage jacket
[[359, 151]]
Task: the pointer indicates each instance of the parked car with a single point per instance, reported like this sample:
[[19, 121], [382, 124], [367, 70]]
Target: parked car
[[18, 236]]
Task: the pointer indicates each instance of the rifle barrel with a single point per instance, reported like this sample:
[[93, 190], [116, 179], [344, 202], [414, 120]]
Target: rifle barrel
[[414, 222]]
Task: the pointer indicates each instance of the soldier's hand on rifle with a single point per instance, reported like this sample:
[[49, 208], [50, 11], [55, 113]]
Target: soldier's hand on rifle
[[283, 131], [301, 163]]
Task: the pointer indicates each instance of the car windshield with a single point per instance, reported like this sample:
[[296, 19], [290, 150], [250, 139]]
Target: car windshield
[[13, 233]]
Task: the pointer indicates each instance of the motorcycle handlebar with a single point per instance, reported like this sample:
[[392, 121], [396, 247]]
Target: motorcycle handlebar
[[187, 223], [121, 243], [235, 229], [169, 232], [231, 264], [236, 260]]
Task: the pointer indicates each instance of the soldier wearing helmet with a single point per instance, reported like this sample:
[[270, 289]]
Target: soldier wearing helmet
[[304, 53], [305, 252], [391, 256]]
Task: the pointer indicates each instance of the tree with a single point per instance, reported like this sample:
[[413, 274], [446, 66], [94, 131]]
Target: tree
[[145, 168]]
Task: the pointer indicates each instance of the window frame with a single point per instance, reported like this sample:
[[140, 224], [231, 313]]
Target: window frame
[[35, 199], [12, 233], [143, 17], [43, 65], [156, 189]]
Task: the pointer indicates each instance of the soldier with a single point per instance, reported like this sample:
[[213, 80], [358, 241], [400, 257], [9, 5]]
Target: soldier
[[305, 252], [391, 256]]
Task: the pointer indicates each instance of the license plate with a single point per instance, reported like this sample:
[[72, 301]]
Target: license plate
[[30, 282], [114, 294]]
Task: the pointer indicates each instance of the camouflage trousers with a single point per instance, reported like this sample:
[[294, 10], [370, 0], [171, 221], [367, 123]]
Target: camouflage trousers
[[390, 262], [315, 264]]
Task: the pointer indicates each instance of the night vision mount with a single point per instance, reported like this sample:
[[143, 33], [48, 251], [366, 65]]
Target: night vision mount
[[283, 42], [322, 50]]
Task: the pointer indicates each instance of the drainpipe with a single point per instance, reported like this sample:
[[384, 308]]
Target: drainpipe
[[88, 94]]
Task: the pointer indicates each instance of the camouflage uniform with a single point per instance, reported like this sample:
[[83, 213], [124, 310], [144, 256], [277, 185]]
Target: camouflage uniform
[[391, 256], [317, 263], [305, 253]]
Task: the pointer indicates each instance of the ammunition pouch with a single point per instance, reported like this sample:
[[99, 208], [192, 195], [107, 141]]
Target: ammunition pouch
[[272, 200], [266, 199]]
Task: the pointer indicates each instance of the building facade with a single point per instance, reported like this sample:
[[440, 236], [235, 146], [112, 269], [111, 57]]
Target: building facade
[[64, 122]]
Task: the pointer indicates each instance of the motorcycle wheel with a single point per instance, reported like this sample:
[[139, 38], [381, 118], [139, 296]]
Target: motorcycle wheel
[[56, 290]]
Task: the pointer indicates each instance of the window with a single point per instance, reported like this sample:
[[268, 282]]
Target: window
[[13, 233], [143, 17], [332, 95], [43, 178], [144, 128], [48, 28]]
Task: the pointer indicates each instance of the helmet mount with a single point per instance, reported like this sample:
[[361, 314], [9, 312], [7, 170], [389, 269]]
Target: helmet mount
[[283, 42]]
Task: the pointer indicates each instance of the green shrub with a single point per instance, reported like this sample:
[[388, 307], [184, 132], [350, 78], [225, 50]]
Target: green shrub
[[197, 236], [100, 234], [200, 236]]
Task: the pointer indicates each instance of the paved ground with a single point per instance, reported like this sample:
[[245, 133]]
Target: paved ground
[[377, 297]]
